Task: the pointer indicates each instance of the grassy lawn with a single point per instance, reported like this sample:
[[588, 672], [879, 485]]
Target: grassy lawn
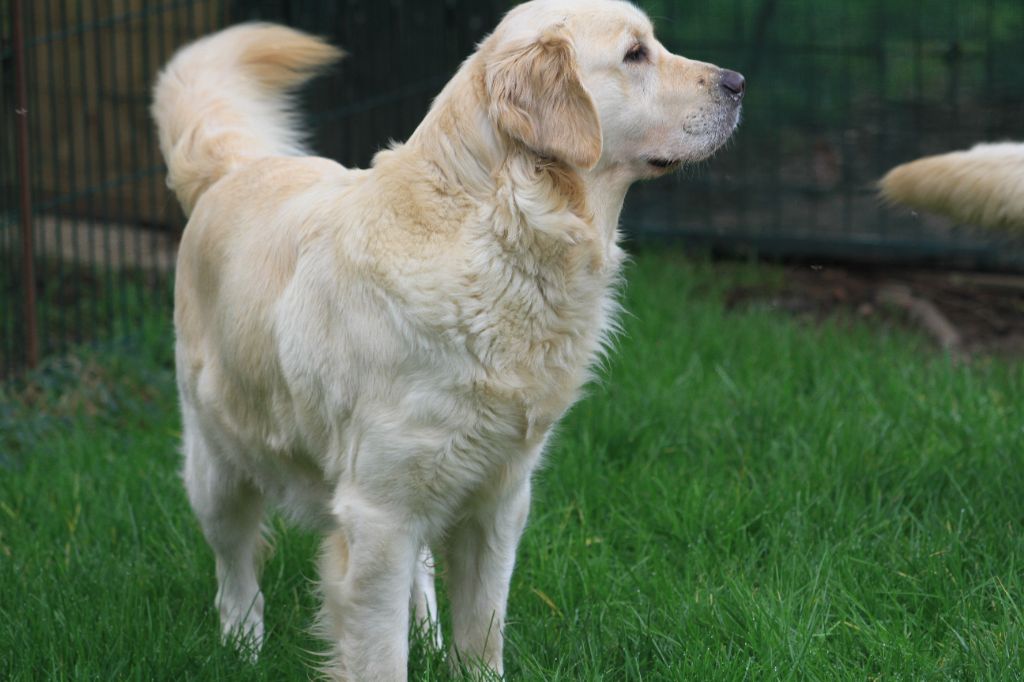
[[740, 497]]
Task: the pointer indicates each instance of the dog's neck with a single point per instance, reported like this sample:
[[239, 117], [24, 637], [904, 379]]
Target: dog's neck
[[606, 187], [461, 144]]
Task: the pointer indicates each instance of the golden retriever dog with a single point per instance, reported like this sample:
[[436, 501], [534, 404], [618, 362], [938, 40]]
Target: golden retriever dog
[[981, 186], [383, 353]]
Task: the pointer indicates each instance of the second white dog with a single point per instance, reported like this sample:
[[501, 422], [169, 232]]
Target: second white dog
[[980, 186]]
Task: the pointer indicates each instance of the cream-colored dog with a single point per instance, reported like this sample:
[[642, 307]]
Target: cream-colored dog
[[980, 186], [384, 352]]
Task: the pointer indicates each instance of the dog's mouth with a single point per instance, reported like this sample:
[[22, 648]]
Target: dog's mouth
[[664, 164]]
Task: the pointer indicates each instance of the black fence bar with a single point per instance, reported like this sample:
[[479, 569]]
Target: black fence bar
[[28, 277]]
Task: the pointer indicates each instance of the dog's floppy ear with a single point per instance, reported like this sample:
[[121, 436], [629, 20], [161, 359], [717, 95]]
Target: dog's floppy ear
[[536, 97]]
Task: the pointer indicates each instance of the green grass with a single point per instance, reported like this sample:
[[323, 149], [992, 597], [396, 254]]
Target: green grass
[[740, 497]]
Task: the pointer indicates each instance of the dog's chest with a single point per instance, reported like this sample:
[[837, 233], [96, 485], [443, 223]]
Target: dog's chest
[[532, 339]]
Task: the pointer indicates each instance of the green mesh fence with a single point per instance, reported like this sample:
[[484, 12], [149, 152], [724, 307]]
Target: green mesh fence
[[838, 91]]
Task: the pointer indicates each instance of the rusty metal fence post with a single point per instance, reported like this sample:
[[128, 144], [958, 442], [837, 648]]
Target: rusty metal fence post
[[28, 276]]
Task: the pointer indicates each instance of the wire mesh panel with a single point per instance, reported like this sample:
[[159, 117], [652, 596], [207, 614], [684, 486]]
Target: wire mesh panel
[[105, 227], [103, 224], [839, 91], [400, 53]]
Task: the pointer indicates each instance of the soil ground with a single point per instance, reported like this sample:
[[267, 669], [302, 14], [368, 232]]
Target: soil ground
[[984, 312]]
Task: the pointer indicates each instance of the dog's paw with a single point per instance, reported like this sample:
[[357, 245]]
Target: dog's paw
[[246, 639], [243, 630]]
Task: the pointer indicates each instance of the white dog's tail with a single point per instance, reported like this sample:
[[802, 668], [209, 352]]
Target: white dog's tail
[[224, 101], [981, 186]]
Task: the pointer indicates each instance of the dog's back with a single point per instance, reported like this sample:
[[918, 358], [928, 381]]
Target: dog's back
[[981, 186]]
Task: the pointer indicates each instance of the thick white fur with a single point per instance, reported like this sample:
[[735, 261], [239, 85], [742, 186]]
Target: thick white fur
[[981, 186], [383, 352]]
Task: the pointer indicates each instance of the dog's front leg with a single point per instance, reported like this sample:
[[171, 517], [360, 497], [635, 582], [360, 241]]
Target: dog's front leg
[[366, 571], [481, 553]]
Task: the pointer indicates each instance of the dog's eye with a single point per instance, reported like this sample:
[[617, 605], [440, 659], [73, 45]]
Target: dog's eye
[[637, 53]]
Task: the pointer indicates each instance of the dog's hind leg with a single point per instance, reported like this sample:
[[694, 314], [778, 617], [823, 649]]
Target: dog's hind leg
[[230, 511], [424, 599]]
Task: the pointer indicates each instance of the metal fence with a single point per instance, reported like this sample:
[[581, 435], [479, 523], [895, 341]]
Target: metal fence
[[839, 91], [103, 227]]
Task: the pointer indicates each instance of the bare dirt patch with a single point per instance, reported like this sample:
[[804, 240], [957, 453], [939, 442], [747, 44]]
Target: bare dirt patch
[[966, 313]]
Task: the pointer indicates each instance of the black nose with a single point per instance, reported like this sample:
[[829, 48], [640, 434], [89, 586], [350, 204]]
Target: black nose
[[733, 83]]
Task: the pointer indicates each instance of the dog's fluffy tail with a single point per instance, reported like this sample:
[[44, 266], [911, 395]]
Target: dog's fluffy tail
[[224, 101], [981, 186]]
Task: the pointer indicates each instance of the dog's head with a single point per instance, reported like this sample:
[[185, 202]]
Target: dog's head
[[587, 83]]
